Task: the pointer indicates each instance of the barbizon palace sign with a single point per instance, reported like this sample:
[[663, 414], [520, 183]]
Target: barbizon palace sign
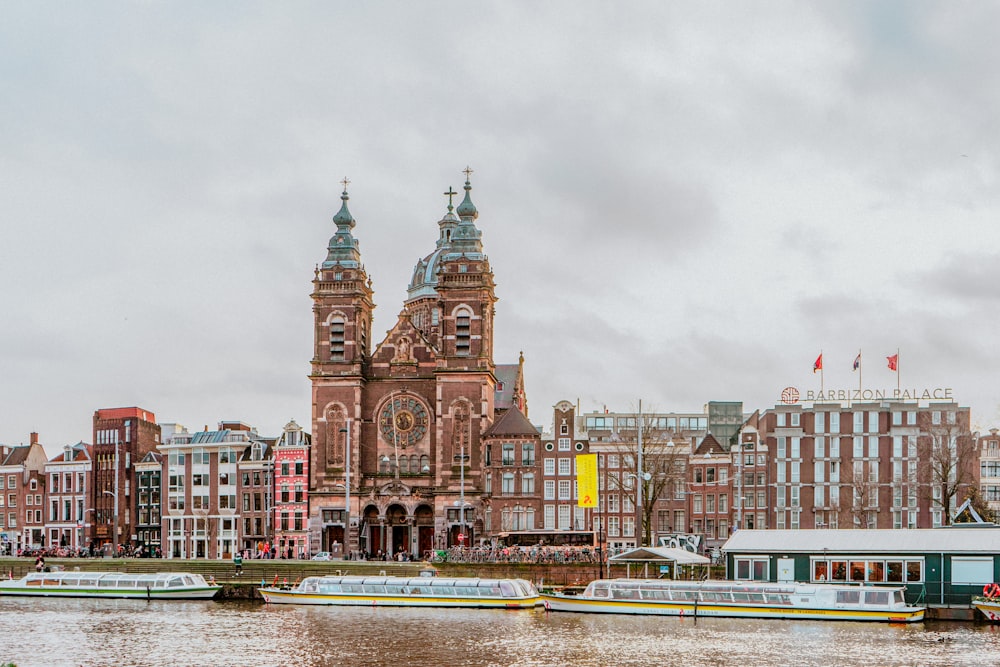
[[791, 395]]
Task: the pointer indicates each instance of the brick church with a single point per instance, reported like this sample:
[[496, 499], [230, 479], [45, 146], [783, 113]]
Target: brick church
[[399, 425]]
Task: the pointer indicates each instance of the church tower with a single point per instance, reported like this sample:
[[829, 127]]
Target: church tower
[[342, 321]]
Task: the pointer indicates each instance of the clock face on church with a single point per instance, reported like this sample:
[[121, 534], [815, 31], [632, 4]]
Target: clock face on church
[[403, 421]]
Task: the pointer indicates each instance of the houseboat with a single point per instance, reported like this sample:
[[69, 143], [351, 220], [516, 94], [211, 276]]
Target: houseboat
[[158, 586], [740, 599], [989, 603], [407, 592]]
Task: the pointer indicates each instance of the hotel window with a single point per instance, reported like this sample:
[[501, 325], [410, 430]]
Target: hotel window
[[834, 448], [935, 417], [897, 418], [859, 422], [628, 526], [859, 446], [834, 422], [818, 496], [613, 502], [723, 475], [549, 489], [873, 446], [795, 472], [723, 503], [463, 332], [819, 447], [710, 504], [796, 419], [761, 498], [781, 419], [818, 422], [564, 489], [819, 468], [696, 507], [796, 449], [781, 447], [613, 526]]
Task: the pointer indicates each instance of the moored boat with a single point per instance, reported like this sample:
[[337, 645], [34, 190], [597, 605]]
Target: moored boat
[[407, 592], [141, 586], [739, 599], [989, 607]]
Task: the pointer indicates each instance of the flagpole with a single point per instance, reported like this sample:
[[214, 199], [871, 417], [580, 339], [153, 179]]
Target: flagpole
[[859, 370], [821, 390], [898, 383]]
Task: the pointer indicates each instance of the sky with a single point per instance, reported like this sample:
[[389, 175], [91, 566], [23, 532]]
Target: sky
[[681, 202]]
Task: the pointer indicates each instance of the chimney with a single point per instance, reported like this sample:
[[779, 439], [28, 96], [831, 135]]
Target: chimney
[[34, 438]]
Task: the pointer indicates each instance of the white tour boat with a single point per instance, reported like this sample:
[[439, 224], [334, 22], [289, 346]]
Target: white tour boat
[[158, 586], [407, 592], [741, 599]]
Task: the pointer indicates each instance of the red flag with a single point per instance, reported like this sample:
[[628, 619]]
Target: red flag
[[818, 365], [894, 362]]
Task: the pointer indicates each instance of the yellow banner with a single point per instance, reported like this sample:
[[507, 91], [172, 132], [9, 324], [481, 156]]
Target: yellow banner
[[586, 480]]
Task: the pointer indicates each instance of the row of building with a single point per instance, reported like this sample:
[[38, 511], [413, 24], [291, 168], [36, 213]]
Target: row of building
[[210, 493], [423, 441]]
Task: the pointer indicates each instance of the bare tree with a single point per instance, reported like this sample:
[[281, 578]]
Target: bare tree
[[949, 455], [863, 487], [664, 464]]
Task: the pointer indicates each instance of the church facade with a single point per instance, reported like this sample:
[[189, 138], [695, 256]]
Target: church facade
[[396, 463]]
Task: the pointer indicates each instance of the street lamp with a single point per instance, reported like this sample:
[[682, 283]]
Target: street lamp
[[347, 485], [114, 494]]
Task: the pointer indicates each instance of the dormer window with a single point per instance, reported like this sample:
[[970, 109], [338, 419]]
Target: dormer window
[[338, 276]]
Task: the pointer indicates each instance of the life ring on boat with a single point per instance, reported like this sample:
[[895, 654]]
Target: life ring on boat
[[991, 591]]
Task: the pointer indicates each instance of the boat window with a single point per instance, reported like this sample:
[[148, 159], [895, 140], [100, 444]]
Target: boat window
[[373, 588], [655, 594], [755, 597], [394, 589], [353, 588], [877, 598], [741, 597], [506, 589], [108, 583], [849, 597], [416, 590], [683, 595], [897, 598], [599, 590], [330, 588]]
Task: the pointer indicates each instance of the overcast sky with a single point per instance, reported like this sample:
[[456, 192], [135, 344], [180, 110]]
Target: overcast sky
[[681, 202]]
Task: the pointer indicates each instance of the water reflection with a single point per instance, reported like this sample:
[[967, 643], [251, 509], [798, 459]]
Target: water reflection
[[132, 632]]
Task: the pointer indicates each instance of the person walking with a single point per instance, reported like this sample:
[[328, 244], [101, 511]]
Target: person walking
[[238, 562]]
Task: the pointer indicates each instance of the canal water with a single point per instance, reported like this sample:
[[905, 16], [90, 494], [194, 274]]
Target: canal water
[[56, 632]]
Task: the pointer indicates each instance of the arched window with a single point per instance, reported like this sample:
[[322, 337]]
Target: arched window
[[425, 464], [337, 338], [463, 332], [404, 465], [414, 464]]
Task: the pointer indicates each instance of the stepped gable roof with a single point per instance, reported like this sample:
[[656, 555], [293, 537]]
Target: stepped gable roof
[[709, 445], [512, 423]]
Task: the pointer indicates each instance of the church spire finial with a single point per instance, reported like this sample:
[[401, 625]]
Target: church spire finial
[[467, 209], [451, 193]]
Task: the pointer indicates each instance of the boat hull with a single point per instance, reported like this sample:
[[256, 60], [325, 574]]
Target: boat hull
[[573, 603], [283, 596], [990, 608]]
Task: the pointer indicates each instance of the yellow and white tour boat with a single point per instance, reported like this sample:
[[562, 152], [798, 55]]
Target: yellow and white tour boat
[[739, 599], [407, 592]]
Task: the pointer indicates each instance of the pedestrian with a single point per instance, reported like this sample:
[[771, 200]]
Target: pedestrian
[[238, 562]]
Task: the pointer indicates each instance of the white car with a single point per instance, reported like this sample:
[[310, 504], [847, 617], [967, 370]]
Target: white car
[[323, 555]]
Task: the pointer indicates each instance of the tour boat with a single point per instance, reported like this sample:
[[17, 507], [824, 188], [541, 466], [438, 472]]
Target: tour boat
[[158, 586], [989, 606], [407, 592], [741, 599]]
